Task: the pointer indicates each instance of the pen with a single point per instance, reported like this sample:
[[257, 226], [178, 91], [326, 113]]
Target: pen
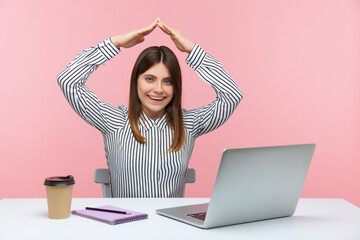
[[107, 210]]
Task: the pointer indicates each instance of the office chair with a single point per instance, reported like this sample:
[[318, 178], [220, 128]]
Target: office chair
[[102, 176]]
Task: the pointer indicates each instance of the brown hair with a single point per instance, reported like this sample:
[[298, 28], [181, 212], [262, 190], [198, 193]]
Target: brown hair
[[173, 110]]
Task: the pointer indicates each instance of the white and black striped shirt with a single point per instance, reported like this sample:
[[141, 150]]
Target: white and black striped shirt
[[146, 170]]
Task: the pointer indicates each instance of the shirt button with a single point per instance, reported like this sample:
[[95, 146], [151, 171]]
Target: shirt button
[[155, 124]]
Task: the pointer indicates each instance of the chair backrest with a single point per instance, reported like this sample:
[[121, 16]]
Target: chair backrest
[[102, 176]]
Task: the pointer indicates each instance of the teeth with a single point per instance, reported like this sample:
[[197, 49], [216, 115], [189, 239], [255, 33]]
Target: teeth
[[156, 98]]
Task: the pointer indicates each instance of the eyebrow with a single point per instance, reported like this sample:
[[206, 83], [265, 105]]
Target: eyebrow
[[153, 76], [149, 75]]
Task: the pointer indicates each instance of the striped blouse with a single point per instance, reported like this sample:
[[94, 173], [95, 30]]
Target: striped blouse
[[137, 169]]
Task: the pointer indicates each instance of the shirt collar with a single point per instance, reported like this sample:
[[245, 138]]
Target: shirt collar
[[147, 122]]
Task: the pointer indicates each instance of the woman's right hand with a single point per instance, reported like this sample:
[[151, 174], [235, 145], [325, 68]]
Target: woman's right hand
[[130, 39]]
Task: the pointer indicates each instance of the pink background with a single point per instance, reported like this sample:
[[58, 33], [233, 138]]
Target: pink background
[[297, 63]]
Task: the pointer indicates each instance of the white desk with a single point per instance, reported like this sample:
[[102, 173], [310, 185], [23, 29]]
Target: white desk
[[314, 219]]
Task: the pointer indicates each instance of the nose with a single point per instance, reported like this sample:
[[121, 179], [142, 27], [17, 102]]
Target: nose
[[158, 87]]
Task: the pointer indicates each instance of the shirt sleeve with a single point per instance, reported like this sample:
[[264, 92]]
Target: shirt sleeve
[[205, 119], [96, 112]]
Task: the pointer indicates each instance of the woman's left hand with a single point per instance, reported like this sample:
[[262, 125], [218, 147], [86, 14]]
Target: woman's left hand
[[181, 42]]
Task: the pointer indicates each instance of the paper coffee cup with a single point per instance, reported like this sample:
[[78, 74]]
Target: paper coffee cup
[[59, 194]]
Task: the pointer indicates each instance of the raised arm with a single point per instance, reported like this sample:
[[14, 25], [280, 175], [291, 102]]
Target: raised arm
[[85, 103], [228, 95], [96, 112]]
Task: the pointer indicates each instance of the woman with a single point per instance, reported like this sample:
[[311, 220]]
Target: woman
[[148, 146]]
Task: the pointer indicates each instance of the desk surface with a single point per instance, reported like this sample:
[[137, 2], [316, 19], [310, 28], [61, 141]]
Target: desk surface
[[313, 219]]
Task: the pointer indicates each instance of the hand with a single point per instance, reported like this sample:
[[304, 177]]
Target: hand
[[130, 39], [181, 42]]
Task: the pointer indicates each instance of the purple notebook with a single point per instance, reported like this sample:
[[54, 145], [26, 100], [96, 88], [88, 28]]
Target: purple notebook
[[111, 218]]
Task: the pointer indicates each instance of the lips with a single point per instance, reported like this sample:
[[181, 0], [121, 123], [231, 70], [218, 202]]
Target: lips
[[159, 99]]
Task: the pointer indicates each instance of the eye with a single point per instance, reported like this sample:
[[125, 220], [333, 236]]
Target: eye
[[149, 79], [168, 81]]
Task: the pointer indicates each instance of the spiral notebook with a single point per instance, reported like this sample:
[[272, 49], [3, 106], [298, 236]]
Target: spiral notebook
[[111, 218]]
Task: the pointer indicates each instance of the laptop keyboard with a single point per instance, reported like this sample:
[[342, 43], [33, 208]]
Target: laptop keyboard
[[200, 216]]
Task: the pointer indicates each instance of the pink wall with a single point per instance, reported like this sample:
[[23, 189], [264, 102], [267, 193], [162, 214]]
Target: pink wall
[[295, 61]]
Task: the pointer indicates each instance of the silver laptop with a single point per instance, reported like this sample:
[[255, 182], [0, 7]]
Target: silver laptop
[[252, 184]]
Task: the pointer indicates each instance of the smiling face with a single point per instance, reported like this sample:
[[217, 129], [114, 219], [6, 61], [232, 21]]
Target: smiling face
[[155, 90]]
